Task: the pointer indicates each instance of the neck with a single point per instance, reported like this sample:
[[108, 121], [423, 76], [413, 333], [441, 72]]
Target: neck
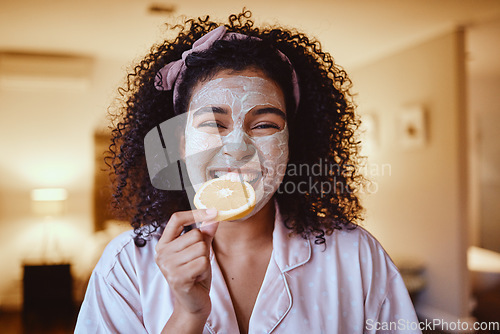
[[252, 233]]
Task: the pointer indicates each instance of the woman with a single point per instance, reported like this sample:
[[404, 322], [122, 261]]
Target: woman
[[266, 104]]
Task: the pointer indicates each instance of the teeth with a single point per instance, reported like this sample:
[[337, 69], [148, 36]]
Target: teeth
[[248, 177]]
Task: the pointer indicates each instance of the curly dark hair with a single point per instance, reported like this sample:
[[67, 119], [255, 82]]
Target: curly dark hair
[[322, 127]]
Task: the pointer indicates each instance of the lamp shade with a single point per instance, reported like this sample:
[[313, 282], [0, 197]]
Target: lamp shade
[[48, 201]]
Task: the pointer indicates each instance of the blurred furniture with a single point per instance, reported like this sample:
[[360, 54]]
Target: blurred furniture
[[47, 291], [413, 274], [487, 306]]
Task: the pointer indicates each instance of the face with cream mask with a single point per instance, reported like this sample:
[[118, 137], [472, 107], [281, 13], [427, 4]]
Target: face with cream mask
[[236, 128]]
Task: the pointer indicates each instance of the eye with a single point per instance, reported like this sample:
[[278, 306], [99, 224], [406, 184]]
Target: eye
[[266, 126], [212, 124], [264, 129]]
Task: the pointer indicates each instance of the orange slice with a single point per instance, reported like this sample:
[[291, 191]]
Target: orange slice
[[232, 199]]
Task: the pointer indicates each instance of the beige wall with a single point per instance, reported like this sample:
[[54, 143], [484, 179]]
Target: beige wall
[[419, 211], [46, 136]]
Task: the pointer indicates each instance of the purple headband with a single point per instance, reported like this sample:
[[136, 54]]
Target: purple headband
[[169, 74]]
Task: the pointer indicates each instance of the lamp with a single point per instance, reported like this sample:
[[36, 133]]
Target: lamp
[[47, 282], [48, 201]]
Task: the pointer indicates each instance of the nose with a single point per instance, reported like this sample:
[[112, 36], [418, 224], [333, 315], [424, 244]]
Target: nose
[[238, 146], [239, 151]]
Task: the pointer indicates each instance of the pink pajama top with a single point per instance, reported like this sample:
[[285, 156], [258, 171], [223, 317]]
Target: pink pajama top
[[351, 286]]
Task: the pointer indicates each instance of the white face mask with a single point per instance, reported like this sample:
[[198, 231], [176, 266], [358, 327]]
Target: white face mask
[[237, 121]]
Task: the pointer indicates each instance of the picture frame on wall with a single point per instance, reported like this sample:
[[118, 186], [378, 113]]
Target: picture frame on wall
[[411, 128]]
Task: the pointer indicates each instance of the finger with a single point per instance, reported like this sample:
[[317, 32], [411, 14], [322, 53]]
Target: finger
[[182, 242], [188, 273], [169, 261], [191, 253], [183, 218], [196, 268]]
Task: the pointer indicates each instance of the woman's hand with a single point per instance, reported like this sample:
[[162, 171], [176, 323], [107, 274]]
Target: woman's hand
[[185, 263]]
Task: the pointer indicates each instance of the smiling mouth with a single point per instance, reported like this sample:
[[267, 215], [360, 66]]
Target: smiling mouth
[[251, 177]]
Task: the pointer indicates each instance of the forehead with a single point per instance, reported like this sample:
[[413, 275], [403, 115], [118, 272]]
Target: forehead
[[228, 89]]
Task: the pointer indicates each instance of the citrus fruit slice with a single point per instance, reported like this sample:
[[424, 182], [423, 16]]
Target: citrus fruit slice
[[232, 199]]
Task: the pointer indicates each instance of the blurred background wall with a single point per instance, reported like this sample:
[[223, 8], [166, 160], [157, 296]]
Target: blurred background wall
[[419, 210], [426, 64]]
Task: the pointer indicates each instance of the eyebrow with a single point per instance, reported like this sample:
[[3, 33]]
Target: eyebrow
[[214, 110], [269, 110]]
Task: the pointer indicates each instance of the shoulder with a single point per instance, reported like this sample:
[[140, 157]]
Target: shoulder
[[358, 259], [370, 266], [122, 256], [116, 253], [354, 233], [355, 246], [355, 237]]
